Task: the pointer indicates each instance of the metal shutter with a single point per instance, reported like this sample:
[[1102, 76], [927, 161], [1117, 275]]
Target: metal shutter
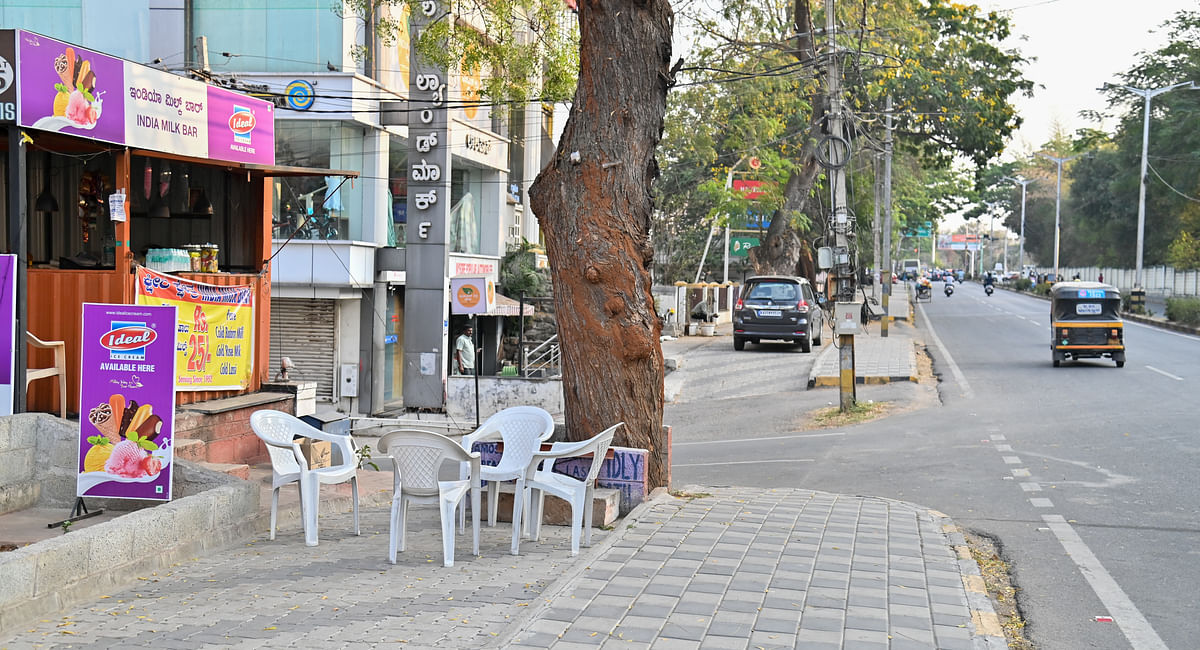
[[305, 330]]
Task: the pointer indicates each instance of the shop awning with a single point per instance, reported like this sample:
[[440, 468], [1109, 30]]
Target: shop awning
[[506, 306], [254, 168]]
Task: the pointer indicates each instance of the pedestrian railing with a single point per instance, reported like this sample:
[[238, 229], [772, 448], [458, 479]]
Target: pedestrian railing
[[544, 359]]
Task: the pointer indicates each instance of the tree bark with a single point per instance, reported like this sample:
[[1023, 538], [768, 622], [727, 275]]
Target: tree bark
[[594, 204]]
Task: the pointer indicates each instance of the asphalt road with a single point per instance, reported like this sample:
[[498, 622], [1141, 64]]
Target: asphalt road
[[1083, 474]]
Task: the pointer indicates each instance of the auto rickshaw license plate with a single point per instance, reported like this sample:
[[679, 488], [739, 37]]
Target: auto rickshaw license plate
[[1089, 308]]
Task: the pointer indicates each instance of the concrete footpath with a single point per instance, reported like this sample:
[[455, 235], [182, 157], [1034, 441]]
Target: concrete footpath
[[709, 568]]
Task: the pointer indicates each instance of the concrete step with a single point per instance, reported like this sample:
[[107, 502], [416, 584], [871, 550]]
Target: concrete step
[[239, 470], [190, 449], [606, 506]]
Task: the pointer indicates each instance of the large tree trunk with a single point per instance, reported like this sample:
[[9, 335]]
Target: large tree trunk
[[782, 252], [594, 204]]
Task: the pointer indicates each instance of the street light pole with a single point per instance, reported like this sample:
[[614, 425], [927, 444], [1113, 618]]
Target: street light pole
[[1146, 94], [1059, 162], [1021, 248]]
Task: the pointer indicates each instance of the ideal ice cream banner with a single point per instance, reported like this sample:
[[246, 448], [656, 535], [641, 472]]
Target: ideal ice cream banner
[[214, 341], [8, 332], [126, 402], [77, 91]]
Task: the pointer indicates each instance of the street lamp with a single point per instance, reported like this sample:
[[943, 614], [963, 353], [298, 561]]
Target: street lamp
[[991, 232], [1058, 200], [1021, 248], [1147, 94]]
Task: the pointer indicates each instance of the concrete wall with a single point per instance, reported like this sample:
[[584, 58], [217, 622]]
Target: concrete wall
[[209, 510], [18, 439], [498, 393]]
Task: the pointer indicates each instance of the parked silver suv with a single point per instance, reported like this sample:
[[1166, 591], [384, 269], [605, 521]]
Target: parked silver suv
[[777, 307]]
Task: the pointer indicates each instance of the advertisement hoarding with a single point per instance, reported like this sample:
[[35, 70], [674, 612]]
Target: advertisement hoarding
[[77, 91], [214, 340]]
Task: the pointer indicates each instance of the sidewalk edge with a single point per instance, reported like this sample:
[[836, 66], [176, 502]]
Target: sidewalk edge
[[987, 633], [582, 564]]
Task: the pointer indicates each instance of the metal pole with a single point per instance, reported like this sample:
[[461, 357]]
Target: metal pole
[[840, 220], [1141, 222], [17, 243], [521, 336], [1059, 162], [885, 276], [475, 370]]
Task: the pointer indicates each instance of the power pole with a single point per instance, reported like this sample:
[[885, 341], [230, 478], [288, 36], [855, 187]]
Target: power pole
[[885, 278], [846, 313]]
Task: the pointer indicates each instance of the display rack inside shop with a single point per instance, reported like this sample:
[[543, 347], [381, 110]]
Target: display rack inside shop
[[195, 258]]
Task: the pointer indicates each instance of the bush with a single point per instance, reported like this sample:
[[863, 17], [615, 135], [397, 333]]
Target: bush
[[1023, 284], [1042, 289], [1184, 310]]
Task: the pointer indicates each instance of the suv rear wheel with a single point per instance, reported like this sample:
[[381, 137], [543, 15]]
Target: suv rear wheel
[[739, 343]]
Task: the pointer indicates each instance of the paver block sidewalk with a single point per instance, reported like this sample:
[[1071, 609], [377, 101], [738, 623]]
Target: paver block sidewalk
[[342, 593], [739, 568]]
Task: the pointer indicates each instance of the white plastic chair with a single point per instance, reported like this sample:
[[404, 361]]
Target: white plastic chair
[[417, 457], [522, 429], [577, 493], [278, 430]]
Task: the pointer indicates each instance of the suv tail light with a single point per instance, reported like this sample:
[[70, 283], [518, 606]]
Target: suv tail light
[[740, 305], [802, 306]]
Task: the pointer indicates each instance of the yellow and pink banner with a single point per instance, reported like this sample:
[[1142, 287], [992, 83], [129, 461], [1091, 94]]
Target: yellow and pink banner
[[214, 336]]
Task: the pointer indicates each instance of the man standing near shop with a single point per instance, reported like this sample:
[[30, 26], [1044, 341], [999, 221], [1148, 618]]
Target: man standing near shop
[[464, 352]]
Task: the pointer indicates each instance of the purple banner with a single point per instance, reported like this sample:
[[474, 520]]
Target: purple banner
[[8, 323], [69, 89], [72, 90], [127, 402], [240, 128]]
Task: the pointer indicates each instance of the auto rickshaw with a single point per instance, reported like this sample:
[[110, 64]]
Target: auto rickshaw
[[1085, 322]]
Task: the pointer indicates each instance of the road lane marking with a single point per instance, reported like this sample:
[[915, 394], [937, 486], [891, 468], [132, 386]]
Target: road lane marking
[[1012, 460], [742, 440], [1164, 373], [958, 375], [1031, 487], [748, 462], [1135, 626], [1020, 473], [1041, 503]]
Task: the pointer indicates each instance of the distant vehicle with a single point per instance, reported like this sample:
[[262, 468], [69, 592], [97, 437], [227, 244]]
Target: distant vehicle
[[909, 269], [777, 307]]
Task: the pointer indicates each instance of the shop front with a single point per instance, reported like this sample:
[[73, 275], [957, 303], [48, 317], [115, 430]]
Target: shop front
[[136, 179]]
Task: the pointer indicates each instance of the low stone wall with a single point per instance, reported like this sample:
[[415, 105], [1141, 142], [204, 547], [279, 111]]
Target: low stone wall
[[209, 510], [498, 393], [18, 452]]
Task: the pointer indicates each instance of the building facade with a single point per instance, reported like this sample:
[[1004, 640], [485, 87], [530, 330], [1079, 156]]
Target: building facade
[[344, 309]]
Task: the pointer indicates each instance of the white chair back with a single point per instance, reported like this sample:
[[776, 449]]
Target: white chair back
[[280, 428], [418, 456]]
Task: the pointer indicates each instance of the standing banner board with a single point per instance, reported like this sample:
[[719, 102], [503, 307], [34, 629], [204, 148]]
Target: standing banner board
[[8, 330], [214, 340], [126, 392]]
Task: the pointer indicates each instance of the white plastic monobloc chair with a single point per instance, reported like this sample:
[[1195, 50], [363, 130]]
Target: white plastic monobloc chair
[[522, 429], [278, 430], [417, 456], [578, 493]]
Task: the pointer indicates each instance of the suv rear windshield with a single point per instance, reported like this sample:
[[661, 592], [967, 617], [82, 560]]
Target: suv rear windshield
[[774, 291]]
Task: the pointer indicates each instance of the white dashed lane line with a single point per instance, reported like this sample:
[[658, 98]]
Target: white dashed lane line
[[1164, 373]]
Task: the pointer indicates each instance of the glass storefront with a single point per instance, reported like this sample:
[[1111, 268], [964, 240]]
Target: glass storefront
[[397, 189], [466, 194], [312, 207]]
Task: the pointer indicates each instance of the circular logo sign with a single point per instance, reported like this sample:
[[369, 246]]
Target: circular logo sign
[[6, 74], [468, 296], [300, 95], [755, 163]]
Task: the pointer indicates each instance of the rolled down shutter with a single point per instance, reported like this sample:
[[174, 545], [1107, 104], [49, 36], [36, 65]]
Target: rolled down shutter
[[305, 331]]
